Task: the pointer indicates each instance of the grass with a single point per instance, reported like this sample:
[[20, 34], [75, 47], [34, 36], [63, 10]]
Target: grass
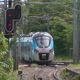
[[14, 76], [74, 65], [34, 65], [66, 75], [62, 57]]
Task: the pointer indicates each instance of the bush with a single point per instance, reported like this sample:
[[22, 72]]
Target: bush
[[6, 62]]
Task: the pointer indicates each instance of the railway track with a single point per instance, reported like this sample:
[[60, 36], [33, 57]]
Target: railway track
[[42, 72]]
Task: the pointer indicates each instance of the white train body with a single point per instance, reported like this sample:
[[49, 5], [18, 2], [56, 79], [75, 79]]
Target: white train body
[[38, 47], [43, 46]]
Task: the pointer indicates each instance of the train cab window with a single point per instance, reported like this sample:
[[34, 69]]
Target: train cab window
[[43, 41]]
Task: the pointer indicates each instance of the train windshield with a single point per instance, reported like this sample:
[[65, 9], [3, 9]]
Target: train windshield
[[43, 41]]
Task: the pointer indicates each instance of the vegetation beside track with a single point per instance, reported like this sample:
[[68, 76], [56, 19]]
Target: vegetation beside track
[[6, 62], [6, 69], [66, 75], [62, 58], [74, 65]]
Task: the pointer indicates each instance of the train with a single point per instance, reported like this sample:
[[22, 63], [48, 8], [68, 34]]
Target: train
[[43, 46], [36, 47]]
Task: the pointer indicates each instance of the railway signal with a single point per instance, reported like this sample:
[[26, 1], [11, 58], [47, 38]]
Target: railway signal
[[9, 25], [17, 12], [11, 16]]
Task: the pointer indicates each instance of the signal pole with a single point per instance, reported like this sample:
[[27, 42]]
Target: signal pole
[[16, 54], [15, 60], [27, 10], [5, 4], [76, 32]]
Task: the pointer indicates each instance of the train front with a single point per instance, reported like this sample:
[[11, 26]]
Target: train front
[[43, 47]]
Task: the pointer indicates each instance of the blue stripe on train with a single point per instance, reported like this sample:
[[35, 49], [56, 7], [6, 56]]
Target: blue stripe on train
[[34, 45], [52, 44]]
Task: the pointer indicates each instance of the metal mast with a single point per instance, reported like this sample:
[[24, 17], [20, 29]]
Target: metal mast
[[76, 32], [16, 57]]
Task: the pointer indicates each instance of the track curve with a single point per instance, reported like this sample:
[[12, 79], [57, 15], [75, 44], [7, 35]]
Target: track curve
[[42, 72]]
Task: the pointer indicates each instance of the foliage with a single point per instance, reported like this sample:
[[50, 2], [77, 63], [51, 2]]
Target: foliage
[[62, 32], [3, 43], [6, 62], [55, 18], [74, 65], [67, 75], [6, 67]]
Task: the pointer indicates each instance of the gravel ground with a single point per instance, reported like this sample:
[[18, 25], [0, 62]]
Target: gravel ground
[[41, 72]]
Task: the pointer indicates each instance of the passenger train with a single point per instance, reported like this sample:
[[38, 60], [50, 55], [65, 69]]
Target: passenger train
[[43, 46], [38, 47]]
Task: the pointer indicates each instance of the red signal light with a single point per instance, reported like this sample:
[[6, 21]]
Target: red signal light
[[9, 25], [9, 20], [9, 14]]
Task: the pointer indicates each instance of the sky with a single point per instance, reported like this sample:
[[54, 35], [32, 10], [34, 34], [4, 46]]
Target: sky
[[13, 0], [3, 0]]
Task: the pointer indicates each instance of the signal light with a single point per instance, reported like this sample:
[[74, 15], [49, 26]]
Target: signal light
[[17, 12], [9, 25], [9, 20], [9, 3], [11, 16]]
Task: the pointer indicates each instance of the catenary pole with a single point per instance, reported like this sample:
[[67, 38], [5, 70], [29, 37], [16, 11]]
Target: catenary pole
[[76, 31], [27, 10]]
